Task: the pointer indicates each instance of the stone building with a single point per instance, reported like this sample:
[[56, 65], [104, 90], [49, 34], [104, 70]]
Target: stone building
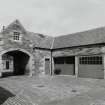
[[80, 54], [23, 52]]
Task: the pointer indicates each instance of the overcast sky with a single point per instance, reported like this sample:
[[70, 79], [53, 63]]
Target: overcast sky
[[54, 17]]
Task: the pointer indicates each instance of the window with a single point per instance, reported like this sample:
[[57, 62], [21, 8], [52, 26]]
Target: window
[[16, 36], [69, 60], [59, 60], [64, 60], [7, 64], [90, 60], [47, 59]]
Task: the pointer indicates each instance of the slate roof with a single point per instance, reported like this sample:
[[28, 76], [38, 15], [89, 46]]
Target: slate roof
[[37, 40], [93, 36], [13, 26], [40, 40]]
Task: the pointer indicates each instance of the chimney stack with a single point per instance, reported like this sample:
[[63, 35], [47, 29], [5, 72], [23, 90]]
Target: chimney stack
[[3, 28]]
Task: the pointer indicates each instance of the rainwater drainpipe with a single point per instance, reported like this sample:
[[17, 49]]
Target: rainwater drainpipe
[[51, 63]]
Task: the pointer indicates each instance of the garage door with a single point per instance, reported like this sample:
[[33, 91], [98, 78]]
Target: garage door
[[91, 67], [64, 65]]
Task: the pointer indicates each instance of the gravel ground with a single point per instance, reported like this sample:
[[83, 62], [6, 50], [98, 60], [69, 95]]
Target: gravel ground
[[57, 90]]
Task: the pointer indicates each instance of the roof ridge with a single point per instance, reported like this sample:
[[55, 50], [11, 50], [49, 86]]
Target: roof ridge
[[92, 36], [17, 22], [88, 30]]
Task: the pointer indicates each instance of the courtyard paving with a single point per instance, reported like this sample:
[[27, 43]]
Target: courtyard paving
[[57, 90]]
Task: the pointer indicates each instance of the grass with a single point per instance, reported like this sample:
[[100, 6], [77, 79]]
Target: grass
[[4, 95]]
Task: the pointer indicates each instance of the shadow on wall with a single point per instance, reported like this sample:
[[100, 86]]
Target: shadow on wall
[[4, 95]]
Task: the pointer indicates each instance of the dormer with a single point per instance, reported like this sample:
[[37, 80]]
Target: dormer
[[15, 31], [17, 36]]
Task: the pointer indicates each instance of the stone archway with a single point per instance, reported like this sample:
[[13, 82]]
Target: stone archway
[[17, 62]]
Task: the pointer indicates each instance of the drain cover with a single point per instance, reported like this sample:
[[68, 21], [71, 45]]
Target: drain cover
[[40, 86], [74, 91]]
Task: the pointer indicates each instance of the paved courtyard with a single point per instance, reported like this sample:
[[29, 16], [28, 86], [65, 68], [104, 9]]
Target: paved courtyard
[[57, 90]]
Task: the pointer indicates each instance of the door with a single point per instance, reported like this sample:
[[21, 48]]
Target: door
[[47, 66]]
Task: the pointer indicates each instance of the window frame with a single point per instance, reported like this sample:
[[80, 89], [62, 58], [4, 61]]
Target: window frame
[[16, 36], [59, 60], [91, 60], [64, 60]]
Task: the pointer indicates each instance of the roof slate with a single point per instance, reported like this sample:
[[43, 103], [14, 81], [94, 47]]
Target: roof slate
[[40, 41], [93, 36], [37, 40]]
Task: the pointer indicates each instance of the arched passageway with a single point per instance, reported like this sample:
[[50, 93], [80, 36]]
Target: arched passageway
[[15, 62]]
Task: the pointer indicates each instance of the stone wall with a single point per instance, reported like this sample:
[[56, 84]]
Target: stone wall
[[38, 64], [90, 50], [39, 60], [7, 43]]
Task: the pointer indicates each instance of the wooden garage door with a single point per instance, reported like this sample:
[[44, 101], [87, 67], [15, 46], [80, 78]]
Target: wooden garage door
[[65, 65], [91, 67]]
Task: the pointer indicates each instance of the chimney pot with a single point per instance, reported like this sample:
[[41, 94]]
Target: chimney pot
[[3, 28]]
